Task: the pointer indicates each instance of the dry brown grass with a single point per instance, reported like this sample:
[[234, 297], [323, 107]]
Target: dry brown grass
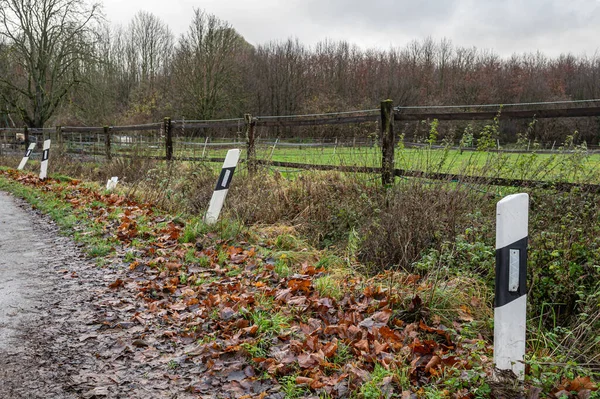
[[394, 226]]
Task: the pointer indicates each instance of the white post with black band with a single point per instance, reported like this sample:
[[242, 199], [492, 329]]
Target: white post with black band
[[45, 156], [218, 197], [510, 303], [26, 157]]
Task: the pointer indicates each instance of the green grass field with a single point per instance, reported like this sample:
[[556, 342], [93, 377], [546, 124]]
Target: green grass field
[[575, 166], [565, 166]]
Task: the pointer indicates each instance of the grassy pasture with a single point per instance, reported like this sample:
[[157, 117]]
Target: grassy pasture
[[575, 166], [568, 163]]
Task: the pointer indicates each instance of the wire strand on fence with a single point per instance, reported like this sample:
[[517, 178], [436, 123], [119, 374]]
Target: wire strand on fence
[[214, 144], [31, 129]]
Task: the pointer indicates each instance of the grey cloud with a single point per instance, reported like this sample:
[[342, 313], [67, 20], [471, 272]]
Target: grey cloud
[[516, 26], [507, 26], [516, 18], [382, 16]]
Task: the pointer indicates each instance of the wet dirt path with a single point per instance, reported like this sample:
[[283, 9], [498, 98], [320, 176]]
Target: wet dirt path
[[28, 262], [64, 333], [21, 252], [68, 330]]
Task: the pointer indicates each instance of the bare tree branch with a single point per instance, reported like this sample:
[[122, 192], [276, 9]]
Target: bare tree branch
[[48, 40]]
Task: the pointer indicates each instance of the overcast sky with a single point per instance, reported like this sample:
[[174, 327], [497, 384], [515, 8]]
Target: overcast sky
[[506, 26]]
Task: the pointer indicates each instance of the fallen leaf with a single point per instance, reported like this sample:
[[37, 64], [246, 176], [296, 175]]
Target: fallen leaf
[[434, 362], [118, 283]]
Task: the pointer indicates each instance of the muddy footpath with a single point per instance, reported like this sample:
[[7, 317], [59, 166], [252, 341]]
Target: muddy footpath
[[63, 332]]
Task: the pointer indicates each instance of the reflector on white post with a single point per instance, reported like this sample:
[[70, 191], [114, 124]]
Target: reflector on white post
[[218, 197], [26, 157], [45, 156], [510, 303]]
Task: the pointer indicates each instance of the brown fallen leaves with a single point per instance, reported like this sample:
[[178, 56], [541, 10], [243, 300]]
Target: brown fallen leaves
[[580, 388]]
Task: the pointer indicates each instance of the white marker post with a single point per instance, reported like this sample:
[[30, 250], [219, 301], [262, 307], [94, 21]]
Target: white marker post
[[44, 164], [510, 303], [204, 149], [273, 149], [112, 183], [26, 157], [218, 197]]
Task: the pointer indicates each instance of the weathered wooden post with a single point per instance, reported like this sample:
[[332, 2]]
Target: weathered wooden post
[[249, 124], [58, 137], [107, 140], [387, 142], [510, 303], [168, 131], [26, 136]]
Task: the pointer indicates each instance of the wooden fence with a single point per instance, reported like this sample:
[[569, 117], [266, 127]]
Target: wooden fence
[[385, 116]]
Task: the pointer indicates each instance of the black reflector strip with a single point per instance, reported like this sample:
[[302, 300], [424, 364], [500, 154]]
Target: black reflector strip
[[45, 155], [504, 292], [225, 178], [27, 153]]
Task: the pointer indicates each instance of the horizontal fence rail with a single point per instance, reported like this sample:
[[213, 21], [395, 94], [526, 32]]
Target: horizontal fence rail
[[449, 177], [162, 138], [207, 125], [285, 122], [487, 115]]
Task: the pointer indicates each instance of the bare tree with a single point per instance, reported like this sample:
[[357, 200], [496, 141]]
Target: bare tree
[[96, 101], [47, 39], [4, 71], [143, 52], [206, 65], [149, 47], [281, 72]]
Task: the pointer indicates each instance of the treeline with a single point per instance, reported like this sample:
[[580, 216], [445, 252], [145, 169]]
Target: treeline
[[142, 72]]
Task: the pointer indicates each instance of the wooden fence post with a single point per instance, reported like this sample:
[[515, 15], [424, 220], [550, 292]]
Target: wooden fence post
[[26, 136], [168, 130], [59, 138], [107, 143], [250, 141], [387, 142]]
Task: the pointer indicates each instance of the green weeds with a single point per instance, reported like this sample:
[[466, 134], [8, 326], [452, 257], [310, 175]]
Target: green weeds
[[327, 286]]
